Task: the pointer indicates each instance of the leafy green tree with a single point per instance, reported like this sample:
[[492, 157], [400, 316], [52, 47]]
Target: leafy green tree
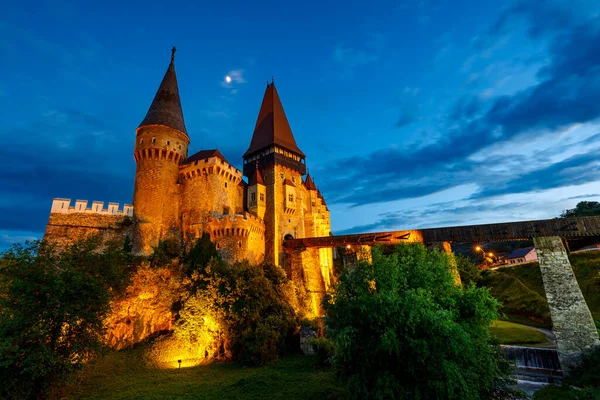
[[52, 307], [582, 209], [468, 271], [402, 329], [200, 255], [254, 303]]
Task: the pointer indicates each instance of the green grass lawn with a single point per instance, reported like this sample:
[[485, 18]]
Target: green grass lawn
[[125, 375], [509, 333]]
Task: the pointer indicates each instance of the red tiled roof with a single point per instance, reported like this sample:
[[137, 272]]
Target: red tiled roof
[[203, 154], [288, 182], [272, 127], [166, 106], [256, 178], [309, 183]]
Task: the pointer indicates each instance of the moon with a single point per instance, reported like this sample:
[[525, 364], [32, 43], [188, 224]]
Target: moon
[[228, 79]]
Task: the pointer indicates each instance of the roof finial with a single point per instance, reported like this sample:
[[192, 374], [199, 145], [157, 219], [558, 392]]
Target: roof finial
[[272, 80], [173, 50]]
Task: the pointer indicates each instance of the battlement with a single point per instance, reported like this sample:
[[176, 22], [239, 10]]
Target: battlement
[[210, 165], [236, 225], [63, 206]]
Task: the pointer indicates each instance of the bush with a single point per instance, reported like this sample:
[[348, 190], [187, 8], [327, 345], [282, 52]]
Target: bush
[[325, 349], [469, 272], [587, 374], [257, 316], [402, 329], [52, 310]]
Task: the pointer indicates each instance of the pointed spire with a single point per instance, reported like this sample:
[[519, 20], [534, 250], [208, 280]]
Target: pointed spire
[[309, 183], [256, 177], [166, 107], [272, 127]]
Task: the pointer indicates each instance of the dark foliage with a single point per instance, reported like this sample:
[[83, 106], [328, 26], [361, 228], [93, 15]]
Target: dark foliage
[[402, 329], [255, 303], [469, 272], [200, 255], [582, 209], [52, 307]]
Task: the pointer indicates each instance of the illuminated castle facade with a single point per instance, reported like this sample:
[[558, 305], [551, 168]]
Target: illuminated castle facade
[[178, 196]]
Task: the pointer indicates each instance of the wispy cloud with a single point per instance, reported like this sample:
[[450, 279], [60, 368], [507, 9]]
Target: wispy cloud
[[563, 97], [351, 57], [232, 78]]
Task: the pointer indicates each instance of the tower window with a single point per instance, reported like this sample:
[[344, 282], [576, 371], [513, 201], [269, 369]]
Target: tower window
[[262, 197], [281, 176], [168, 142], [179, 147], [141, 141], [153, 140], [253, 197], [226, 210], [291, 198], [293, 179], [225, 184]]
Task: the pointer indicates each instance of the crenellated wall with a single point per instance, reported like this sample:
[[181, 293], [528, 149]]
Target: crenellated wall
[[69, 223], [209, 187], [239, 237]]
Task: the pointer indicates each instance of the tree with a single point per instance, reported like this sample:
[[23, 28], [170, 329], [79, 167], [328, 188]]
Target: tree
[[250, 301], [52, 308], [582, 209], [403, 329]]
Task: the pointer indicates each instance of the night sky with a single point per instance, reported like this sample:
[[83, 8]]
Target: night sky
[[411, 113]]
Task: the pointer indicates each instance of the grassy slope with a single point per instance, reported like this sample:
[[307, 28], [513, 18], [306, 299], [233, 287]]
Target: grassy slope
[[521, 288], [124, 375], [509, 333]]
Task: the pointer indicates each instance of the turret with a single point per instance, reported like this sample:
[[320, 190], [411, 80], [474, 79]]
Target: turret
[[257, 194], [161, 144], [273, 152]]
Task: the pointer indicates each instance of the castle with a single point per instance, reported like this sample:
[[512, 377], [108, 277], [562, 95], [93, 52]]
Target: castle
[[178, 196]]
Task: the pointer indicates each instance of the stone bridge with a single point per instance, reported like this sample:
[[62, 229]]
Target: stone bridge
[[572, 321]]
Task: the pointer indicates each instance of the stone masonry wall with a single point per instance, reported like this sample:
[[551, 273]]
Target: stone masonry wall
[[64, 229], [156, 195], [572, 322]]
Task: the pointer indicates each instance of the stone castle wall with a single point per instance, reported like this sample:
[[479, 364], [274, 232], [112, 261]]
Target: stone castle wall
[[67, 223], [239, 237], [209, 188]]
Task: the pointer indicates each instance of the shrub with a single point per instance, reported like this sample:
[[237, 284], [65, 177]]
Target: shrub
[[52, 309], [402, 329], [325, 349], [257, 315]]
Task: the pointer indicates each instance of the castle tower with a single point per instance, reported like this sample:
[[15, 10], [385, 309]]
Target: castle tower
[[161, 144], [257, 194], [281, 164]]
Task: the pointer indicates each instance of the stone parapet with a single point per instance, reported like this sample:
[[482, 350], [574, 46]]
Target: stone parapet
[[210, 165], [63, 206]]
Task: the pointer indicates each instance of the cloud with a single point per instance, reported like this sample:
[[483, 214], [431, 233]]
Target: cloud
[[58, 155], [236, 76], [566, 95], [8, 238], [350, 57]]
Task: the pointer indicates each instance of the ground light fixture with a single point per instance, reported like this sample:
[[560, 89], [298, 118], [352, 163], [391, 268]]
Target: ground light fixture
[[179, 362]]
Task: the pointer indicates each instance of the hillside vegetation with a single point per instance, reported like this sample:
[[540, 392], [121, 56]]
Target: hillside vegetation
[[521, 290]]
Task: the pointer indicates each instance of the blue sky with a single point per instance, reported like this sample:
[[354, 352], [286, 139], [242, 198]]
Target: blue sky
[[411, 113]]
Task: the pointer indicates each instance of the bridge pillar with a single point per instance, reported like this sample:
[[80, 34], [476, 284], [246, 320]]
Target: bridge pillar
[[303, 267], [445, 247], [572, 322]]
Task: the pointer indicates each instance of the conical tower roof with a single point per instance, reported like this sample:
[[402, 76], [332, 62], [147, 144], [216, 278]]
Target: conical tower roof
[[256, 178], [309, 183], [166, 107], [272, 127]]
